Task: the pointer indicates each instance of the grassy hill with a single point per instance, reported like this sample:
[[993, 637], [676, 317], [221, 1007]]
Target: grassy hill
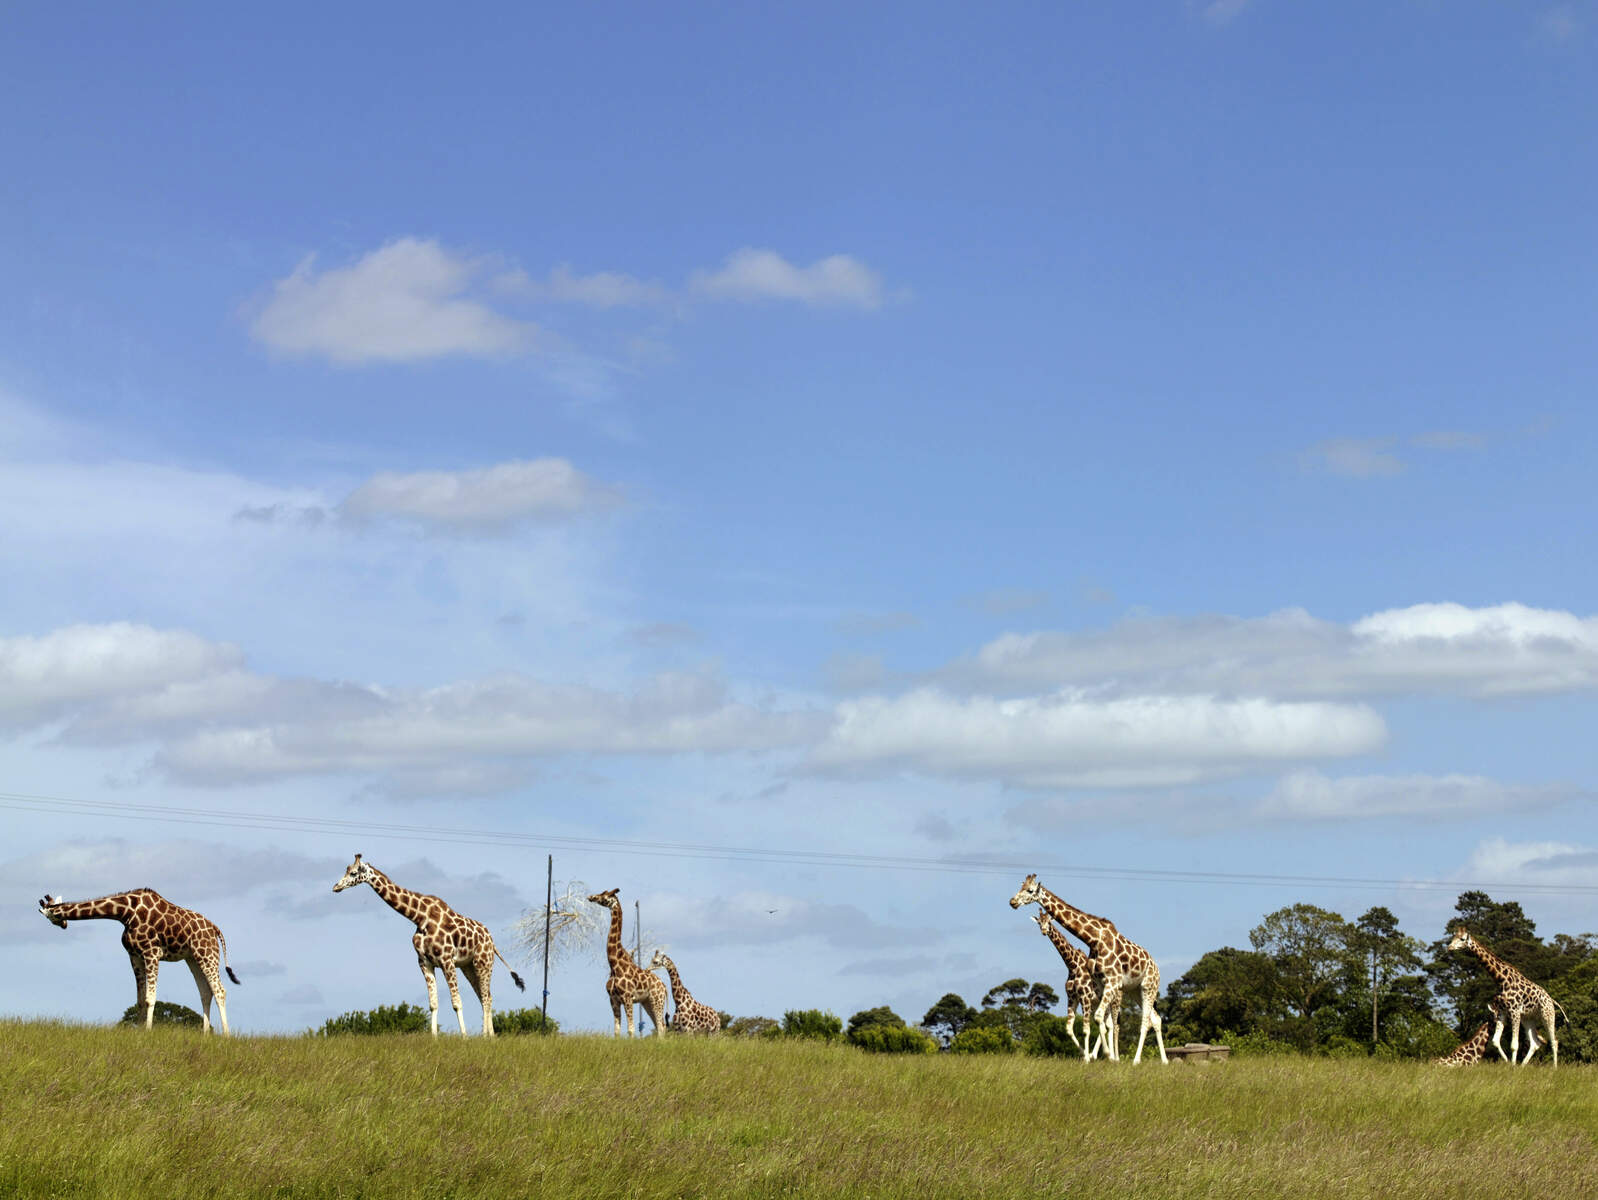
[[110, 1112]]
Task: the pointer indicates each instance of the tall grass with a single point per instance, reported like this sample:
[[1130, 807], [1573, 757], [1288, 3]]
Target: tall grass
[[110, 1112]]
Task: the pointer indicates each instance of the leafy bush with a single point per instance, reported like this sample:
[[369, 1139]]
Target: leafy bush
[[751, 1027], [1255, 1042], [398, 1018], [983, 1039], [893, 1039], [524, 1020], [165, 1014], [812, 1023], [882, 1015], [1048, 1037], [1341, 1046]]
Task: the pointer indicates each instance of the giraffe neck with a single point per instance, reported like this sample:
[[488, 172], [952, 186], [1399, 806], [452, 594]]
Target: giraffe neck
[[1067, 951], [402, 900], [1499, 969], [679, 993], [615, 953], [118, 907], [1095, 931]]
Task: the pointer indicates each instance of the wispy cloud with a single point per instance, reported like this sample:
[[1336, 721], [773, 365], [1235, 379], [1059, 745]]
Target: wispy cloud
[[750, 274], [482, 498], [1370, 458]]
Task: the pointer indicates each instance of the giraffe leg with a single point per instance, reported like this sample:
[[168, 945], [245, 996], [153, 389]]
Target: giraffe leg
[[204, 985], [655, 1006], [1548, 1024], [615, 1011], [1498, 1033], [1533, 1043], [432, 993], [455, 994], [478, 978], [1514, 1037], [137, 960]]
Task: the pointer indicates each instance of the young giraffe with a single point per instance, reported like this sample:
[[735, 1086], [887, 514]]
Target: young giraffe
[[691, 1016], [629, 984], [154, 930], [1119, 960], [1517, 997], [1469, 1052], [1080, 993], [443, 938]]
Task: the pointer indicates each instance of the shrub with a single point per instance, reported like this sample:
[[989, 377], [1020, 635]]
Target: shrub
[[751, 1027], [1342, 1046], [812, 1023], [165, 1014], [524, 1020], [882, 1015], [983, 1039], [398, 1018], [1048, 1037], [1256, 1042], [893, 1039]]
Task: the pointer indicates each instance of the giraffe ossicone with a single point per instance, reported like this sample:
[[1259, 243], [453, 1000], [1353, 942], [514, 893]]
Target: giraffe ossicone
[[629, 985], [1118, 959], [154, 930], [444, 940]]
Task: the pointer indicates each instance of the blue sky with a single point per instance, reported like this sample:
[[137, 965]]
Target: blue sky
[[1151, 439]]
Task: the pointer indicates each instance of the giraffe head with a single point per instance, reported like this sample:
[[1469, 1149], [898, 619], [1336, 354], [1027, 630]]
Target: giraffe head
[[1042, 918], [1031, 892], [50, 907], [608, 899], [660, 962], [358, 872], [1461, 938]]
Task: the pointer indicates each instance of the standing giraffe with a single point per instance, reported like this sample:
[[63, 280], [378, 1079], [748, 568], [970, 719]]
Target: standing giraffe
[[443, 938], [154, 930], [1469, 1052], [691, 1016], [1080, 994], [629, 984], [1119, 960], [1517, 997]]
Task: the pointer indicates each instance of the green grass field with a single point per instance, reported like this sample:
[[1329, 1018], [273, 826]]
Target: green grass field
[[111, 1112]]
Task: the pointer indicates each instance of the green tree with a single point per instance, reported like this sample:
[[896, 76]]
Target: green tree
[[751, 1027], [983, 1039], [893, 1039], [1226, 991], [1011, 991], [165, 1014], [1383, 954], [1041, 997], [870, 1017], [1308, 947], [524, 1020], [948, 1017]]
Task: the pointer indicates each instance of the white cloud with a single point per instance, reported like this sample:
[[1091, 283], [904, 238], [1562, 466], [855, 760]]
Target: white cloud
[[1500, 650], [1312, 796], [760, 918], [751, 274], [602, 289], [483, 498], [43, 676], [1071, 739], [1547, 863], [1360, 458], [404, 302]]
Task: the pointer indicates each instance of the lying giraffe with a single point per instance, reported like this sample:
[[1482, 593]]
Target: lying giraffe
[[154, 930], [443, 938], [691, 1016], [1469, 1052], [1517, 997], [1080, 993], [629, 984], [1119, 960]]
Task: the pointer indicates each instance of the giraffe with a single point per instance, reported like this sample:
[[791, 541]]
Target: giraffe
[[154, 930], [1080, 994], [629, 984], [1119, 960], [443, 938], [1469, 1052], [691, 1016], [1517, 997]]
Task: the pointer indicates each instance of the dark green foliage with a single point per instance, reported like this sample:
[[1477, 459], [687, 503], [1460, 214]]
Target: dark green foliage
[[165, 1014], [948, 1017], [726, 1019], [1226, 989], [1308, 948], [882, 1015], [893, 1039], [812, 1023], [384, 1019], [1048, 1037], [983, 1039], [524, 1020]]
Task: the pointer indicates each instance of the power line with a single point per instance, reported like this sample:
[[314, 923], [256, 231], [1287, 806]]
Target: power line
[[273, 822]]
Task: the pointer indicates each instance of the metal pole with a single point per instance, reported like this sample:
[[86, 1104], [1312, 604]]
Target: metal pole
[[638, 933], [549, 894]]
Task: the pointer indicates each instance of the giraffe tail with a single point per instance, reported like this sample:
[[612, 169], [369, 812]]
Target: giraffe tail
[[514, 978], [225, 964]]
